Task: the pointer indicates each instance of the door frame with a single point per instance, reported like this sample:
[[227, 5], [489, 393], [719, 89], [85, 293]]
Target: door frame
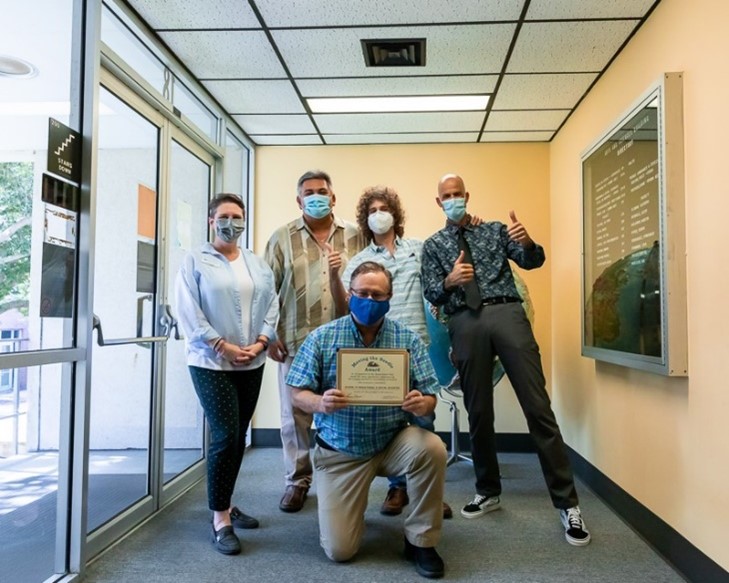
[[160, 494]]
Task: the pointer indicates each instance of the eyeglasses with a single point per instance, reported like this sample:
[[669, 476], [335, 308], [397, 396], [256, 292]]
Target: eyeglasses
[[364, 295]]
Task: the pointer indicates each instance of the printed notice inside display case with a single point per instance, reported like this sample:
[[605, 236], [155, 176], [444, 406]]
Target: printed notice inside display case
[[634, 309]]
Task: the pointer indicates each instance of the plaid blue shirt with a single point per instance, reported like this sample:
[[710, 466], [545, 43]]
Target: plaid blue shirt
[[360, 431], [491, 250]]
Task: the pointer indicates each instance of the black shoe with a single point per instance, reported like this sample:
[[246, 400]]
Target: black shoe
[[225, 541], [241, 520], [427, 560]]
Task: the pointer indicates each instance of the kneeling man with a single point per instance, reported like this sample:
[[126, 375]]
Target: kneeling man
[[355, 443]]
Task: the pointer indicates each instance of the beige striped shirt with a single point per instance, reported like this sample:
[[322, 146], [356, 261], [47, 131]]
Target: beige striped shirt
[[301, 271]]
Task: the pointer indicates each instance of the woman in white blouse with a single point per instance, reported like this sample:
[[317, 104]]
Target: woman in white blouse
[[228, 310]]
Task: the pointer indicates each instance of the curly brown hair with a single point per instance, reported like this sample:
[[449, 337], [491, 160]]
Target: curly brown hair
[[389, 197]]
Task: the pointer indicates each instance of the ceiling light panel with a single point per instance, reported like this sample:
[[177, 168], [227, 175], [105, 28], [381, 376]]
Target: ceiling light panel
[[516, 136], [186, 14], [500, 121], [338, 52], [364, 123], [256, 96], [413, 138], [397, 86], [567, 46], [398, 104], [339, 12], [564, 9], [247, 54], [276, 124], [291, 140], [548, 91]]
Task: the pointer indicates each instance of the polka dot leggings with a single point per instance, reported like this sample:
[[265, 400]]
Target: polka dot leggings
[[228, 399]]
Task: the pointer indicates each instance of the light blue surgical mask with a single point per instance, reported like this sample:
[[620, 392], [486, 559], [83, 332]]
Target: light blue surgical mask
[[454, 208], [229, 229], [317, 206]]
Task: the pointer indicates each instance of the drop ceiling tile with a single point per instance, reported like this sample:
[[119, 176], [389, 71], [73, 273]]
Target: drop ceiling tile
[[364, 123], [276, 124], [547, 91], [341, 12], [500, 121], [563, 9], [290, 140], [567, 46], [393, 86], [256, 96], [225, 54], [443, 138], [479, 49], [186, 14], [516, 136]]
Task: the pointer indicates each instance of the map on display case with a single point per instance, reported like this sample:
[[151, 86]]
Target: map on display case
[[631, 235]]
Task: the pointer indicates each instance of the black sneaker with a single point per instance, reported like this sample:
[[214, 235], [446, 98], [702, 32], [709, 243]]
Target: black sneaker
[[242, 520], [480, 505], [225, 541], [427, 560], [575, 530]]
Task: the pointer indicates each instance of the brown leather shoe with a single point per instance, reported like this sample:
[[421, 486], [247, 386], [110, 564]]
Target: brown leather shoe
[[396, 499], [447, 511], [293, 499]]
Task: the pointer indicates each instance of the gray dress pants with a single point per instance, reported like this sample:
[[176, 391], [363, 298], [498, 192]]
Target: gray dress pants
[[503, 330]]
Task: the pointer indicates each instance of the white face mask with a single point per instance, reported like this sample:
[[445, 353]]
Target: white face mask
[[380, 222]]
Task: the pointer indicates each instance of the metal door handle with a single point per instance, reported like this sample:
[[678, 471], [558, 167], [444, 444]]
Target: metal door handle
[[101, 341], [169, 321]]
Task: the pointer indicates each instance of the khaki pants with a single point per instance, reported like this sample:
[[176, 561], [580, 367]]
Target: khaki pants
[[295, 425], [343, 484]]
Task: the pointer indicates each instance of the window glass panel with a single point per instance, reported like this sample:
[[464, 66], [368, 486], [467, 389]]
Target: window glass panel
[[125, 44], [195, 111], [27, 101], [30, 412]]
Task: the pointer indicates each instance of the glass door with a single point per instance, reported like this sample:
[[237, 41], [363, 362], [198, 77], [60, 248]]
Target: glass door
[[146, 442], [125, 309], [189, 174]]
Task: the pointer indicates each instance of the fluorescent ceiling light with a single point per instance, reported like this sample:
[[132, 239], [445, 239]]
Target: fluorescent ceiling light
[[398, 104]]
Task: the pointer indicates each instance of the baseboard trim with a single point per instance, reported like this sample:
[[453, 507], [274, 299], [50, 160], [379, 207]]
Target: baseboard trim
[[662, 537]]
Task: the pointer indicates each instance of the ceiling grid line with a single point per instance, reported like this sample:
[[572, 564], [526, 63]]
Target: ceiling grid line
[[263, 60]]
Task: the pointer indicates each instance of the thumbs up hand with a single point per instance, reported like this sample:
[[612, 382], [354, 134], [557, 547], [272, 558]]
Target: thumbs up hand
[[460, 274], [334, 259], [517, 232]]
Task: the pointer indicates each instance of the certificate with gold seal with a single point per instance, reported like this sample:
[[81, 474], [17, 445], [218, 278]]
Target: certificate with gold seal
[[375, 376]]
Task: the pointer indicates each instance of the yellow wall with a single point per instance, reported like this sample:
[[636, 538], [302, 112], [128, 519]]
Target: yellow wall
[[499, 178], [663, 440]]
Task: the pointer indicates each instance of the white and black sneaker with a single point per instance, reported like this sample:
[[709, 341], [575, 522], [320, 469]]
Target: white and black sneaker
[[575, 530], [480, 505]]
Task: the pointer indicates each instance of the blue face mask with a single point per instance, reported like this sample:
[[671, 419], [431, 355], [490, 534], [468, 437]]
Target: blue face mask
[[454, 208], [317, 206], [368, 311]]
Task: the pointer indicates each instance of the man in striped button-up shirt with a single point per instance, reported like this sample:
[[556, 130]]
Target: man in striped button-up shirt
[[298, 254]]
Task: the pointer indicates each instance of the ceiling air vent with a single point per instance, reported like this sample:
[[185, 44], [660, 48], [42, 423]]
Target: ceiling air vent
[[394, 52]]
